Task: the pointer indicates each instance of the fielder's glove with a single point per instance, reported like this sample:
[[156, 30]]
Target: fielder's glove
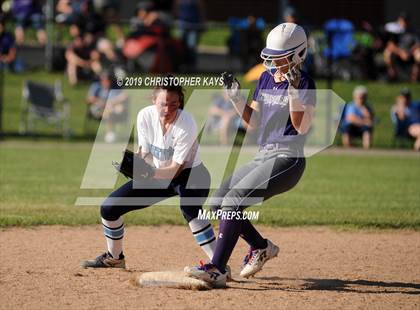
[[231, 85], [131, 161], [293, 77]]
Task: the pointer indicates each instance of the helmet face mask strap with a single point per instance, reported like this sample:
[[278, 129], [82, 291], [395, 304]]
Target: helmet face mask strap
[[274, 69]]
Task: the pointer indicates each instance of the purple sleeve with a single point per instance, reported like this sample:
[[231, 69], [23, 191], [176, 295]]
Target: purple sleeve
[[307, 91], [258, 88], [307, 83]]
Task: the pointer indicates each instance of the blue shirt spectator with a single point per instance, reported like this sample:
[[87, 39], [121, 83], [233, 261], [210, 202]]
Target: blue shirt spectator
[[405, 114], [223, 118], [358, 119], [107, 103]]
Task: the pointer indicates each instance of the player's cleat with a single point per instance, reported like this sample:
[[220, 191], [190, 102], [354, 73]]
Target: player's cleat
[[229, 278], [255, 260], [228, 274], [105, 261], [208, 273]]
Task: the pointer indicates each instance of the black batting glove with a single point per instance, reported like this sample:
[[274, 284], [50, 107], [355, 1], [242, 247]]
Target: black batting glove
[[231, 85]]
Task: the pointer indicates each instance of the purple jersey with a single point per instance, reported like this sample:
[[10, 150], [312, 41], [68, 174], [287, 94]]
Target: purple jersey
[[273, 100]]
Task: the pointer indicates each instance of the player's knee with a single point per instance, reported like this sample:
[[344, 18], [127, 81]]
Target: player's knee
[[214, 207], [215, 202], [190, 212], [231, 203], [108, 211]]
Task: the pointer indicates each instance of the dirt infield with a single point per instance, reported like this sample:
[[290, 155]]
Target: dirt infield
[[317, 268]]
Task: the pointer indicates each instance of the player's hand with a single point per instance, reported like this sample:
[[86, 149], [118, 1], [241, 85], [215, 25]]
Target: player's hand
[[231, 85], [134, 163], [293, 77], [143, 169]]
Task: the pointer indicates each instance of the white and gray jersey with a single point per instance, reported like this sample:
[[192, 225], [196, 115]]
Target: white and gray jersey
[[178, 144]]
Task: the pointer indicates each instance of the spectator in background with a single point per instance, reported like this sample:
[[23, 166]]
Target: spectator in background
[[80, 58], [223, 118], [369, 44], [150, 47], [165, 8], [358, 119], [81, 17], [103, 56], [402, 48], [28, 12], [108, 103], [246, 40], [70, 12], [398, 26], [405, 114], [7, 47], [147, 21], [290, 15], [415, 71], [109, 10], [190, 14]]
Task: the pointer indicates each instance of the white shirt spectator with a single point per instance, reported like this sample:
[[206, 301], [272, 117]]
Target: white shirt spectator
[[394, 27]]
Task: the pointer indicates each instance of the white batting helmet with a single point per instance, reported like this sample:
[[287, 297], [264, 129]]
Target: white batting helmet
[[283, 41]]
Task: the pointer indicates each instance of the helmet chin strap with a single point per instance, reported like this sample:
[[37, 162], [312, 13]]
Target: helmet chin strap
[[276, 71]]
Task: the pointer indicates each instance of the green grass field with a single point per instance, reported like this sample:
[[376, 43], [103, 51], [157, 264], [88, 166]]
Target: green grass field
[[41, 181], [381, 97]]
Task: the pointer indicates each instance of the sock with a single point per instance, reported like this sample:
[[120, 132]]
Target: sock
[[252, 236], [229, 231], [204, 235], [114, 233]]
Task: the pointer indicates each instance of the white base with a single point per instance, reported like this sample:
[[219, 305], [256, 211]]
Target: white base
[[173, 279]]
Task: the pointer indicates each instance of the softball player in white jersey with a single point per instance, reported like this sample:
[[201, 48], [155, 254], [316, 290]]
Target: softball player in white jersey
[[167, 139]]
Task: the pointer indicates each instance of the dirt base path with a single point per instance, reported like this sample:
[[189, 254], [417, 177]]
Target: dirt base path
[[317, 268]]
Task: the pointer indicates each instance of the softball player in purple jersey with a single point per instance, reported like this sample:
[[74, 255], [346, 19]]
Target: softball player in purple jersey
[[282, 110]]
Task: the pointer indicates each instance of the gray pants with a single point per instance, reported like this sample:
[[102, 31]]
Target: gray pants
[[270, 173]]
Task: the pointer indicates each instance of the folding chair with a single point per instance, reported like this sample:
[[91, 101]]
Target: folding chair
[[45, 102], [340, 45], [89, 118]]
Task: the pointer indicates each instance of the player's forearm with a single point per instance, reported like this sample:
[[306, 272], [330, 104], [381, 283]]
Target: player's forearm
[[301, 115], [167, 173], [148, 158], [301, 121]]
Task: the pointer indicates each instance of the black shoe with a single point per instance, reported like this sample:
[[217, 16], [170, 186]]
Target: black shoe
[[105, 261]]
